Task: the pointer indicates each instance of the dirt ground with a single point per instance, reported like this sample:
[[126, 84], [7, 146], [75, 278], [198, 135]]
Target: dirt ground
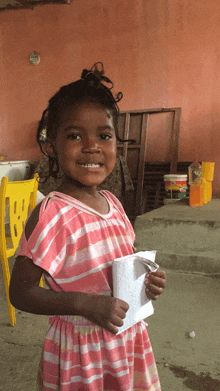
[[190, 302]]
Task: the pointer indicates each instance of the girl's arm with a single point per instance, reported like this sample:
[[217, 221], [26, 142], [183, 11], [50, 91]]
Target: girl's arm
[[26, 294]]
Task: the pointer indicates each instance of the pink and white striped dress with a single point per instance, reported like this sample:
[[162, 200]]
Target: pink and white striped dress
[[76, 246]]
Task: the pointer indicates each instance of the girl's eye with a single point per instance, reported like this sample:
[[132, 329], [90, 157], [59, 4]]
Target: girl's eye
[[74, 136], [104, 136]]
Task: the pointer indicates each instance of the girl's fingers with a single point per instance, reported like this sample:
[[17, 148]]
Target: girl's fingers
[[155, 283], [156, 278], [159, 273], [112, 328], [156, 290], [117, 321], [121, 313], [151, 295]]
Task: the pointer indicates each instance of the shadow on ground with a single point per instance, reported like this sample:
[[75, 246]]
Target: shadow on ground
[[201, 382]]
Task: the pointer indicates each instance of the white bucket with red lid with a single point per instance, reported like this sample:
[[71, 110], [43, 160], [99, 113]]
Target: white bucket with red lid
[[175, 186]]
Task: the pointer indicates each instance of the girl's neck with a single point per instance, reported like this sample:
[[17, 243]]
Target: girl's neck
[[76, 189], [88, 195]]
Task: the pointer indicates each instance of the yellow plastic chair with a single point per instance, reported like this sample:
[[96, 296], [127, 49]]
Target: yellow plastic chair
[[17, 200]]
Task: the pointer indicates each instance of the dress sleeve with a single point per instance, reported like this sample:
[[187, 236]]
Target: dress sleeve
[[47, 243]]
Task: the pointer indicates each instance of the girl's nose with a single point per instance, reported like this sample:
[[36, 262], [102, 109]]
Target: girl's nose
[[91, 145]]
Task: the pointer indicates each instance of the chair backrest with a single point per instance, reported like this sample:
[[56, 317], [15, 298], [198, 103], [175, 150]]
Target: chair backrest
[[17, 200]]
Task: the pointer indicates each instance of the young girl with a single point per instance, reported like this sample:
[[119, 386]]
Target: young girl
[[72, 237]]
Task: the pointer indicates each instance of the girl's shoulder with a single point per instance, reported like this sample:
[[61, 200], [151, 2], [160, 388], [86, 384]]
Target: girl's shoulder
[[45, 211], [32, 221]]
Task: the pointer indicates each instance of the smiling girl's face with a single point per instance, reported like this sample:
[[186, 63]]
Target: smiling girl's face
[[86, 144]]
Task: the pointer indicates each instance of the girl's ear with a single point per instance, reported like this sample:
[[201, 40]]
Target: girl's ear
[[49, 148]]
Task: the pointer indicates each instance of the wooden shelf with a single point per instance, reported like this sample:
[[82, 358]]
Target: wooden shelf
[[135, 125]]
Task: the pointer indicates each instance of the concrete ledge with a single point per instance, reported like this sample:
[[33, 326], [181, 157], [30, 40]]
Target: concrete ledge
[[185, 238], [190, 263], [181, 210]]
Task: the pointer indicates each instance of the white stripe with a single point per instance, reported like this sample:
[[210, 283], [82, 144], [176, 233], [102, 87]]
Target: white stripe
[[84, 349], [79, 205], [76, 379], [95, 226], [52, 386], [67, 365], [57, 260], [91, 227], [137, 355], [39, 259], [95, 251], [52, 358], [96, 346], [50, 225], [92, 271]]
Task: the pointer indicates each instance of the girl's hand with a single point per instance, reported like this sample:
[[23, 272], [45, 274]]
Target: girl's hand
[[107, 312], [155, 283]]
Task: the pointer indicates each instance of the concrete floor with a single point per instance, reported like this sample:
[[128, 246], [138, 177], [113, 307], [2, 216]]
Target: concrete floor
[[187, 242], [190, 302]]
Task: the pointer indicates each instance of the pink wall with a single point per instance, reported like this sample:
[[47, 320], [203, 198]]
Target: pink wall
[[160, 54]]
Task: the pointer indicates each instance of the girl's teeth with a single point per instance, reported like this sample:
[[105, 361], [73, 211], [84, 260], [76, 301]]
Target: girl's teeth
[[90, 165]]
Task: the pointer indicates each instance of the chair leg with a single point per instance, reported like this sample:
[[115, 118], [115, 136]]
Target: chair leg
[[6, 276], [41, 283]]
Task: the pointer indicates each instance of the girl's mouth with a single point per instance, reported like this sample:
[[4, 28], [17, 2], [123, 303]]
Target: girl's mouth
[[91, 165]]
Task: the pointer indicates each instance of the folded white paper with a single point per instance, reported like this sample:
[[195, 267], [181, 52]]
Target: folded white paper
[[128, 285]]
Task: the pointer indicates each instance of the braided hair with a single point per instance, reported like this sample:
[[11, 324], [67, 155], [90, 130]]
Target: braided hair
[[91, 89]]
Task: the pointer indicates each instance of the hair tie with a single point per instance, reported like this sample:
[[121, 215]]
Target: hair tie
[[94, 76], [118, 97]]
